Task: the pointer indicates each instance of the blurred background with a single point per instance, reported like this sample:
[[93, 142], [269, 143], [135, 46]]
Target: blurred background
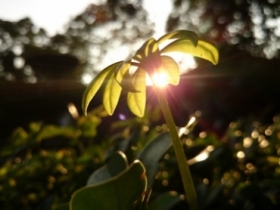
[[50, 50]]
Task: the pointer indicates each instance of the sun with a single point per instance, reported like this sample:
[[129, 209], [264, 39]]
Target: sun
[[158, 80]]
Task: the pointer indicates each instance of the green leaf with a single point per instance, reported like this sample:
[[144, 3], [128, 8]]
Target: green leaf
[[88, 125], [180, 34], [149, 56], [95, 84], [165, 201], [116, 164], [137, 101], [123, 77], [111, 94], [119, 193], [152, 153], [171, 68], [50, 131], [148, 48], [204, 49]]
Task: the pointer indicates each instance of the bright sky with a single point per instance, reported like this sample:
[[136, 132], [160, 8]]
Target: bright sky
[[53, 15]]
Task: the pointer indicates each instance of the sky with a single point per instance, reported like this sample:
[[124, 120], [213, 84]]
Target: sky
[[53, 15]]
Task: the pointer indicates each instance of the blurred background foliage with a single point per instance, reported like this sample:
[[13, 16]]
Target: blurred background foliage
[[48, 149]]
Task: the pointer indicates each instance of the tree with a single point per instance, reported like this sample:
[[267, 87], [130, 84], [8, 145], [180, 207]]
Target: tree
[[47, 69], [249, 25]]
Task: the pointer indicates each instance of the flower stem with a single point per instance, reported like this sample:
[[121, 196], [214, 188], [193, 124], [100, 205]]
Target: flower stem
[[179, 152]]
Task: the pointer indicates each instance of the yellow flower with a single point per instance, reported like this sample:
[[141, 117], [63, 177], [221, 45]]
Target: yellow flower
[[149, 59]]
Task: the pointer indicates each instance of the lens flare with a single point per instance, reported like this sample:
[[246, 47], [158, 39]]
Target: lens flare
[[158, 79]]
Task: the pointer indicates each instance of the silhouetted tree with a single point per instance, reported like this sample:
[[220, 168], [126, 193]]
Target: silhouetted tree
[[251, 25]]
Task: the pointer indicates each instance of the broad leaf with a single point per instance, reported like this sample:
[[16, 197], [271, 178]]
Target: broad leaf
[[95, 84], [124, 78], [165, 201], [119, 193], [204, 49], [137, 101], [152, 153], [171, 68], [116, 164], [100, 175], [111, 94], [180, 34]]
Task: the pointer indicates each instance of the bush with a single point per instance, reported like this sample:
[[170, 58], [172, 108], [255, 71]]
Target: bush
[[45, 165]]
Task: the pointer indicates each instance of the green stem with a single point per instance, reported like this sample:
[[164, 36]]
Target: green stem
[[179, 152]]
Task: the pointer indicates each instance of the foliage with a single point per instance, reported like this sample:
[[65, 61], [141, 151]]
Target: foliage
[[37, 67], [149, 59], [37, 164], [240, 170], [249, 25], [134, 166], [45, 165]]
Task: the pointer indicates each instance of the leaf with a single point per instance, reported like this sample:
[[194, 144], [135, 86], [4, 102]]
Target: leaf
[[148, 56], [119, 193], [88, 125], [152, 153], [111, 94], [204, 49], [120, 71], [137, 101], [100, 175], [181, 35], [165, 201], [116, 164], [149, 47], [50, 131], [123, 77], [95, 84], [171, 68]]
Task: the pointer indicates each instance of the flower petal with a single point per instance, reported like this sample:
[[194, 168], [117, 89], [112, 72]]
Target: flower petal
[[180, 34], [137, 101], [95, 84], [204, 49], [123, 77], [111, 94], [171, 68]]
